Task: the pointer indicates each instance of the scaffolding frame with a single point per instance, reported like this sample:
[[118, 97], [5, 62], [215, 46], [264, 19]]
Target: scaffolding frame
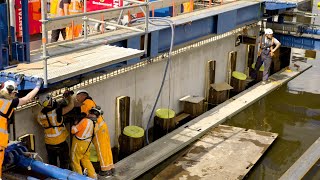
[[85, 19]]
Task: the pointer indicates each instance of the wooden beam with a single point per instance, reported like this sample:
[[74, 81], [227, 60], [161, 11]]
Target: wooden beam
[[122, 116]]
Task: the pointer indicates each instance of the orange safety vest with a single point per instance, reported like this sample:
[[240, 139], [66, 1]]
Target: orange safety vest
[[4, 116], [84, 130], [55, 132]]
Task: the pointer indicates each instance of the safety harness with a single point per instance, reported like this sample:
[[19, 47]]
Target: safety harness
[[49, 123], [45, 112], [264, 42], [93, 134], [5, 115]]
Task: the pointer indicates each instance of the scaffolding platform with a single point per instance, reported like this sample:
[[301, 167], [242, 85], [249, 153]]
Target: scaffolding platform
[[81, 62], [225, 152]]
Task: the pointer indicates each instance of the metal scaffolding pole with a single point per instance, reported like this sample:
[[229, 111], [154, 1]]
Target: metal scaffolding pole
[[116, 25], [85, 18], [146, 29], [44, 40], [85, 23]]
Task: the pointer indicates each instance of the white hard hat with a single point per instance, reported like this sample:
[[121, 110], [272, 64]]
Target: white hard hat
[[82, 91], [268, 31], [96, 111], [45, 99], [10, 86]]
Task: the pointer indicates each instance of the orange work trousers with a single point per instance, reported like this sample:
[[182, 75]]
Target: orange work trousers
[[101, 142], [1, 160]]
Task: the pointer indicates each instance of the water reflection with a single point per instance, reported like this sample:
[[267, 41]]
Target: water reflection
[[295, 117]]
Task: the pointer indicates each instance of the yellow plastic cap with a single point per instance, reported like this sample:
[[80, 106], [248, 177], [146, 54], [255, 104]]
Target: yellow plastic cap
[[165, 113], [239, 75], [133, 131]]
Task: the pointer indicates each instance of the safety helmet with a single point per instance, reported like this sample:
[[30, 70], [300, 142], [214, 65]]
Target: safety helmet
[[10, 86], [96, 111], [82, 91], [268, 31], [45, 100]]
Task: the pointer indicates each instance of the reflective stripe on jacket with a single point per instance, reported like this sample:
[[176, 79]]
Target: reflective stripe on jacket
[[5, 115], [83, 130], [55, 132]]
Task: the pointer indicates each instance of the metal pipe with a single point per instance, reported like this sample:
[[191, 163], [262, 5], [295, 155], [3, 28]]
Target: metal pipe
[[146, 29], [13, 17], [85, 22], [49, 170], [44, 41], [116, 25], [9, 31], [120, 16], [134, 1], [90, 45]]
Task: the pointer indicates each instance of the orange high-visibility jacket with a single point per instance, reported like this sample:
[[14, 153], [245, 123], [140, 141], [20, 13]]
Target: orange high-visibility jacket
[[83, 130], [55, 132], [4, 116]]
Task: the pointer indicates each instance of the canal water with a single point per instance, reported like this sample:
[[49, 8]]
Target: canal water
[[292, 111]]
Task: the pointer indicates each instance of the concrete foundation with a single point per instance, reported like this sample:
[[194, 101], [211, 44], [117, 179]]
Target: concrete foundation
[[186, 77]]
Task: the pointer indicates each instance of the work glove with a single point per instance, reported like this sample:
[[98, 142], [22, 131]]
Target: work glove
[[19, 78], [39, 83]]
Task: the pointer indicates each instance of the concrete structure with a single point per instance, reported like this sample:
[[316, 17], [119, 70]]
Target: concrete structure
[[187, 76]]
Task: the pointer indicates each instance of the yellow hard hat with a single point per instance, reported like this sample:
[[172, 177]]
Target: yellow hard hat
[[45, 100]]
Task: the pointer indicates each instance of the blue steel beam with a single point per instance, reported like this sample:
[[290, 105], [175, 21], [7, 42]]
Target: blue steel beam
[[274, 5], [298, 42], [25, 30]]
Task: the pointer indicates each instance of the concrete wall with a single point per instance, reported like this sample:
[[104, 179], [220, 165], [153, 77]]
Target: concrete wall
[[187, 77]]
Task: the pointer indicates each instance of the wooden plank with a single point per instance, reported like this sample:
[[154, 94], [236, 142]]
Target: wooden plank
[[225, 152], [181, 117], [151, 155], [304, 163], [29, 66], [122, 115]]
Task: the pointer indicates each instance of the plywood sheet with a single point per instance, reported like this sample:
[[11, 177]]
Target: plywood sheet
[[225, 152], [29, 66]]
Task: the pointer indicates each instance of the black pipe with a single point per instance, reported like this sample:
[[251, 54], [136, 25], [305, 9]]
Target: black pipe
[[9, 31]]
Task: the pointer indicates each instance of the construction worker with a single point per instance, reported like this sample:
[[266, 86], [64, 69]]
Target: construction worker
[[101, 140], [63, 10], [75, 7], [8, 101], [265, 53], [50, 118], [83, 132]]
